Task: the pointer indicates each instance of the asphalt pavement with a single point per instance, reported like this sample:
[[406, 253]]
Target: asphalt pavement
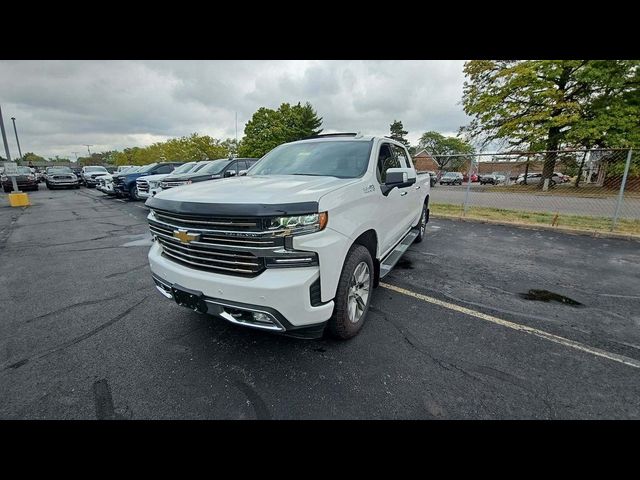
[[458, 331]]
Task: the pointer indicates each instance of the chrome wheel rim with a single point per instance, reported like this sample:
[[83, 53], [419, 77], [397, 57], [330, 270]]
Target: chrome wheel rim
[[358, 292]]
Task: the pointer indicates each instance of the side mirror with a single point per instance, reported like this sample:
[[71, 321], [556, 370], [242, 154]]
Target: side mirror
[[243, 173], [398, 178], [230, 173]]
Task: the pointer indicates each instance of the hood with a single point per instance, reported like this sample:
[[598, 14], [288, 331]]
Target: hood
[[258, 189], [156, 177]]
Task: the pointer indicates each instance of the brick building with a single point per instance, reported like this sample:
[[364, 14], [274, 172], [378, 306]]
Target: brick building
[[423, 162]]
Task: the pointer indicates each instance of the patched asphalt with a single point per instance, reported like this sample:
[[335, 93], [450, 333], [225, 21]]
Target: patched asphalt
[[85, 335]]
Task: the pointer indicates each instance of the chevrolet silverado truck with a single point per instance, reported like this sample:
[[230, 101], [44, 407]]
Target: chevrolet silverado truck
[[296, 245], [124, 185], [149, 185]]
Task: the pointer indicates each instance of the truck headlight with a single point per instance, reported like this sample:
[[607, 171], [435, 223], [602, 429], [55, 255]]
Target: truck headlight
[[299, 224]]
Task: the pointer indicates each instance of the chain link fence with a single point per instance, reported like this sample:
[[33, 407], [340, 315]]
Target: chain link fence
[[588, 190]]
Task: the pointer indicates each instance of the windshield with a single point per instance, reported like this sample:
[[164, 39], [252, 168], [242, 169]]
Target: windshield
[[450, 174], [24, 171], [95, 169], [59, 170], [216, 166], [146, 168], [333, 159], [184, 168]]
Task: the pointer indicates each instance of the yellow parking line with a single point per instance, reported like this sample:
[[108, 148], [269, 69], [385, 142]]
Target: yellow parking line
[[516, 326]]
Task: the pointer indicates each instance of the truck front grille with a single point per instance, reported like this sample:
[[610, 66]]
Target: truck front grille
[[206, 258], [210, 223], [143, 185]]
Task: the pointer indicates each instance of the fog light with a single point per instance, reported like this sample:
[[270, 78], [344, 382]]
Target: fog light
[[261, 317]]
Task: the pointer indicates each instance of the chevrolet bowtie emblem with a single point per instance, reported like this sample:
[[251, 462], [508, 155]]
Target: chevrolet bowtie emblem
[[186, 237]]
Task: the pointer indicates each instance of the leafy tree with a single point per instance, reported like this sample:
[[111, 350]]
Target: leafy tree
[[398, 133], [269, 128], [552, 104], [32, 157], [440, 147]]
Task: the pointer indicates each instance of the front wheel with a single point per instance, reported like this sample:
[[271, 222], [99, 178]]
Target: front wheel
[[353, 295], [133, 193], [422, 225]]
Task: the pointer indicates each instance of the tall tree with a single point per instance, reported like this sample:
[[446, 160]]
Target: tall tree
[[441, 147], [269, 128], [397, 132], [552, 104]]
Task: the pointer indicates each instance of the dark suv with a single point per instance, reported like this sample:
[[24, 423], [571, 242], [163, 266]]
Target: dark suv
[[125, 185], [214, 169]]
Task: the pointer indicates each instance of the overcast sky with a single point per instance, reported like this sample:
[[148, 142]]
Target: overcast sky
[[61, 105]]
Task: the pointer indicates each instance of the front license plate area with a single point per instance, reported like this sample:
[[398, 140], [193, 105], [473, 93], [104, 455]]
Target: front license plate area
[[189, 298]]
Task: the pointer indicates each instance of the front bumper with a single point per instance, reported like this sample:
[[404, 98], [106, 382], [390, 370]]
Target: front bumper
[[283, 293], [152, 192], [64, 183]]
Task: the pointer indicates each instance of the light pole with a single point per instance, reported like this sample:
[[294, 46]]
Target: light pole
[[6, 149], [13, 119], [89, 150]]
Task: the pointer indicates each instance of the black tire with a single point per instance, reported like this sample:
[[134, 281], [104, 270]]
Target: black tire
[[340, 325], [133, 194], [422, 225]]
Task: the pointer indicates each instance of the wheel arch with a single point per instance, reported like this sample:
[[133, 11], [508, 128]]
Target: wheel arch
[[369, 240]]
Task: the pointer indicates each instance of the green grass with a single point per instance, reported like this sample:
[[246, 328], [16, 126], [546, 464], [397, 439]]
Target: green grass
[[575, 222]]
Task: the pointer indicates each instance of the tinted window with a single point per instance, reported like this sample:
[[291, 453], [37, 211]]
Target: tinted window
[[164, 169], [342, 159], [386, 160]]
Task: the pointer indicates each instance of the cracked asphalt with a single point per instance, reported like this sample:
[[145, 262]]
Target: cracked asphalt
[[85, 335]]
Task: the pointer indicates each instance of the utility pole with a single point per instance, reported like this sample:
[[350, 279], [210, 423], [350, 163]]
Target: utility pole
[[13, 119], [6, 150], [89, 150]]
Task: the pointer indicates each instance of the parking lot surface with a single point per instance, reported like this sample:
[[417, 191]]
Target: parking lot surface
[[458, 330]]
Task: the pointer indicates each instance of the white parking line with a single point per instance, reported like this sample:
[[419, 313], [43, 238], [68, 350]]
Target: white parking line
[[516, 326]]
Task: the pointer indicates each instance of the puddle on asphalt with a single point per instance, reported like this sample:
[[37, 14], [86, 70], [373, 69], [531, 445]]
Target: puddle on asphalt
[[404, 263], [547, 296]]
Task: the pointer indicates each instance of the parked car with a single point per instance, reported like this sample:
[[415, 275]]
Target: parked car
[[61, 177], [125, 185], [89, 175], [298, 244], [149, 185], [105, 182], [536, 178], [433, 178], [26, 180], [213, 170], [451, 178]]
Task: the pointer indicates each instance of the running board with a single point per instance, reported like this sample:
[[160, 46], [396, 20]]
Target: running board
[[390, 260]]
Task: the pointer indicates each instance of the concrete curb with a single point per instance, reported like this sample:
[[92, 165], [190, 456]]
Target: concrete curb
[[532, 226]]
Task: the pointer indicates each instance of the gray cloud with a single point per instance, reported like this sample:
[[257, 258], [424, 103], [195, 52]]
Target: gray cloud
[[62, 105]]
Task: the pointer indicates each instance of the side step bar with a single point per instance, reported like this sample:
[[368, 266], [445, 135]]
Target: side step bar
[[390, 260]]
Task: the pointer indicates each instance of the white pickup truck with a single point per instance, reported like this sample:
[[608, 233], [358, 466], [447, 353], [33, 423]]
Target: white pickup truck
[[298, 243]]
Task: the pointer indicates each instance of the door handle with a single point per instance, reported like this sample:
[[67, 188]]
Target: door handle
[[403, 194], [418, 187]]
